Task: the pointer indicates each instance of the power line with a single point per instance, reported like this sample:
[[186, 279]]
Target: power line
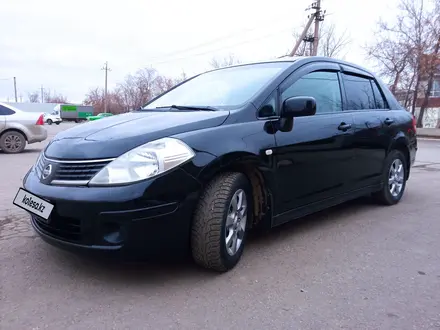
[[226, 47], [224, 37]]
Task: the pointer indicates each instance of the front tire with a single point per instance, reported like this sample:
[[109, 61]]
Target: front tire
[[49, 121], [221, 218], [12, 142], [394, 178]]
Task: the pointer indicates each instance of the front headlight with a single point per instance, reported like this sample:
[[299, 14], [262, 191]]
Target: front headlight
[[143, 162]]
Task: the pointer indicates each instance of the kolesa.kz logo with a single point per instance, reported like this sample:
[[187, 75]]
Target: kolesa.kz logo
[[35, 205]]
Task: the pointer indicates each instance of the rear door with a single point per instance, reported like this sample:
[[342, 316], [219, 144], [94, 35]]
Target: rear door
[[312, 159], [373, 123]]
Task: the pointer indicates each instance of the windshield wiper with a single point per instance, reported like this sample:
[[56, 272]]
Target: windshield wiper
[[185, 107]]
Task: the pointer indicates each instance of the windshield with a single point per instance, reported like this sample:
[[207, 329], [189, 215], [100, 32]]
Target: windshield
[[221, 88]]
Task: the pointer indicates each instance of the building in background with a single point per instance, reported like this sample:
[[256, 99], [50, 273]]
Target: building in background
[[431, 117]]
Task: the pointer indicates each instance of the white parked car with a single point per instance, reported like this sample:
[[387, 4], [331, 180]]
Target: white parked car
[[53, 117]]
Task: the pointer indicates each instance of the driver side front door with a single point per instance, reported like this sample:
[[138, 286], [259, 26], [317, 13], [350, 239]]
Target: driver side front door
[[313, 159]]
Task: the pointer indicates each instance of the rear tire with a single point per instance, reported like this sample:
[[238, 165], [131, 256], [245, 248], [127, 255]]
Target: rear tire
[[12, 142], [394, 178], [221, 218], [58, 122]]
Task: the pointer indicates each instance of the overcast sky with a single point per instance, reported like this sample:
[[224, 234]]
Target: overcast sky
[[62, 45]]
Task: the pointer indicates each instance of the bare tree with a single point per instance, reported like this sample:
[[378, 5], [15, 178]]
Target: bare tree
[[180, 78], [95, 97], [224, 62], [53, 98], [139, 88], [392, 57], [34, 97], [134, 92], [401, 49], [162, 84], [331, 44]]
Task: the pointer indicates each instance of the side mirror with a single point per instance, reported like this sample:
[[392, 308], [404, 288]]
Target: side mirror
[[298, 106]]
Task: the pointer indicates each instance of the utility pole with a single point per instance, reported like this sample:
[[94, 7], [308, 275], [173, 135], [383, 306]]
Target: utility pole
[[15, 89], [107, 69], [302, 36], [42, 95], [318, 16]]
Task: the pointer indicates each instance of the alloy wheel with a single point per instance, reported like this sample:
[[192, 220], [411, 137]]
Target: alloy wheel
[[396, 177], [236, 222]]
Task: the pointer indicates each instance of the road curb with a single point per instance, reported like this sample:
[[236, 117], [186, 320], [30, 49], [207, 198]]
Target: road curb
[[433, 137]]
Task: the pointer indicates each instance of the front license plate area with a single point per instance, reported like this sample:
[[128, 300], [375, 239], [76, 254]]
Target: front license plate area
[[33, 204]]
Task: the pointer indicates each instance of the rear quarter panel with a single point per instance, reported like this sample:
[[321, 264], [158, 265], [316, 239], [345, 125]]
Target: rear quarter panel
[[403, 132], [26, 123]]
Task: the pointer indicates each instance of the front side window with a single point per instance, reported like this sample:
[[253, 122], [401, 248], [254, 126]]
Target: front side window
[[224, 88], [321, 85], [359, 93], [4, 111]]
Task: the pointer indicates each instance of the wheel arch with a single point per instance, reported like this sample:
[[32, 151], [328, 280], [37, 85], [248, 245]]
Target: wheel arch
[[400, 142], [14, 129], [260, 177]]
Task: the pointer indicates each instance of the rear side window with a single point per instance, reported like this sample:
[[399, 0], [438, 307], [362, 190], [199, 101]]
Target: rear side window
[[359, 92], [321, 85], [381, 103], [5, 111]]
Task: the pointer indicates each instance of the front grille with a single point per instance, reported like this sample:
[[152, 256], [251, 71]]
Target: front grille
[[59, 227], [78, 171], [71, 172]]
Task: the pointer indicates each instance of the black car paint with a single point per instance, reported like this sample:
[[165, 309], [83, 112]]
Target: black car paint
[[112, 136], [310, 168]]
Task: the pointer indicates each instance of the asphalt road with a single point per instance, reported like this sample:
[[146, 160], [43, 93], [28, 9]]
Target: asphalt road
[[355, 266]]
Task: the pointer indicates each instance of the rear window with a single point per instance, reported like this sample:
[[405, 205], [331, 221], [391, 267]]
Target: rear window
[[381, 103], [5, 111], [359, 93]]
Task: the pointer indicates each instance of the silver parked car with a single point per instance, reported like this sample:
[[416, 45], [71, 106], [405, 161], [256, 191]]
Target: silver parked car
[[18, 127]]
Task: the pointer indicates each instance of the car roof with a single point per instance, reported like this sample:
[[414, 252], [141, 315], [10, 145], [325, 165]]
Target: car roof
[[299, 60]]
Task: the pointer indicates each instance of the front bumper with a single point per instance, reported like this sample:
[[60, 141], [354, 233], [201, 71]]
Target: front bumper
[[143, 220]]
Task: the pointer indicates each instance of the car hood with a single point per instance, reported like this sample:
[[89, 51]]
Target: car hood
[[112, 136]]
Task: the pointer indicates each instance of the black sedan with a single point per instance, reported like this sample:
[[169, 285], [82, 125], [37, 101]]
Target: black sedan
[[230, 150]]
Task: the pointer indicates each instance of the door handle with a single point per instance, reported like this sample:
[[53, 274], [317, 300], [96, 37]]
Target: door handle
[[388, 121], [344, 127]]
